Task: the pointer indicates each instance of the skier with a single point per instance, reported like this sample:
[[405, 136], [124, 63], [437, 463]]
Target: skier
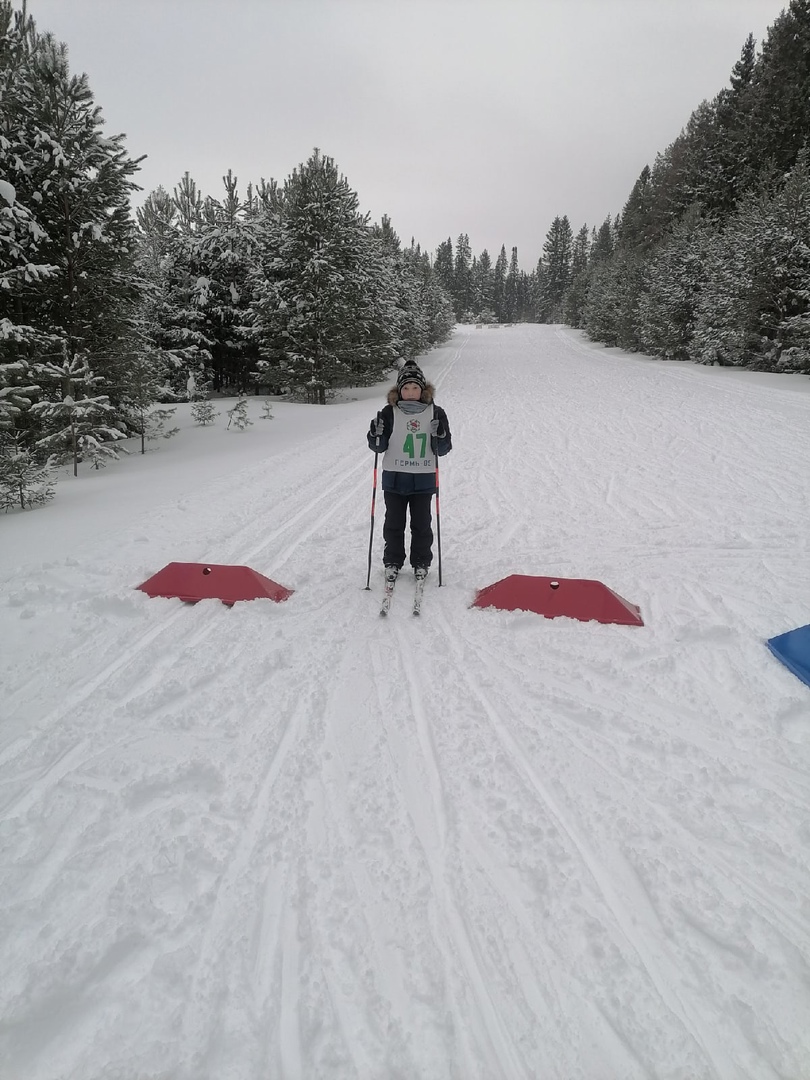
[[409, 431]]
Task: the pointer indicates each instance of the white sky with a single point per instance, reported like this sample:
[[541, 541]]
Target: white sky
[[488, 117]]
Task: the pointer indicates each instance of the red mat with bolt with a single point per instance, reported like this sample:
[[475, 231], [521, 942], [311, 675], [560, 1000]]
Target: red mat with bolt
[[574, 598], [211, 581]]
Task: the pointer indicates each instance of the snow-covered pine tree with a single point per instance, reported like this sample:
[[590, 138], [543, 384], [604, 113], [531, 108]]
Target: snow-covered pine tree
[[20, 238], [145, 386], [726, 317], [512, 290], [674, 275], [17, 393], [777, 99], [483, 284], [754, 310], [405, 329], [177, 280], [76, 426], [319, 314], [22, 265], [157, 235], [611, 308], [574, 300], [225, 245], [24, 481], [557, 264], [384, 304], [238, 416], [602, 242], [77, 181], [463, 279], [499, 285], [434, 300], [537, 290], [443, 266], [788, 326], [203, 411], [638, 229], [729, 162]]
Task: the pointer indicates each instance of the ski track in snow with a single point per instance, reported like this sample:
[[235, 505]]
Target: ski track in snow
[[297, 840]]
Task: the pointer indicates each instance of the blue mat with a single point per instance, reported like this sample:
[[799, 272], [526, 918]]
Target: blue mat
[[793, 649]]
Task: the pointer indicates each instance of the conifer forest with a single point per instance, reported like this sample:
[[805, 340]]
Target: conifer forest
[[288, 287]]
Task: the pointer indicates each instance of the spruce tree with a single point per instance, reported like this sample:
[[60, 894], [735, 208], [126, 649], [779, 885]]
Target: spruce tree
[[736, 168], [574, 301], [75, 181], [754, 309], [23, 265], [444, 268], [499, 285], [203, 412], [238, 416], [638, 229], [223, 253], [145, 386], [483, 289], [602, 242], [18, 391], [434, 300], [557, 251], [463, 279], [611, 308], [511, 292], [76, 426], [674, 277], [24, 481], [778, 122], [176, 285], [319, 314]]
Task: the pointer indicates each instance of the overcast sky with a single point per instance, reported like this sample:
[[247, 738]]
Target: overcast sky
[[488, 117]]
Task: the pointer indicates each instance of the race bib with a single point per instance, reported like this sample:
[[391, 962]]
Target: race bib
[[409, 447]]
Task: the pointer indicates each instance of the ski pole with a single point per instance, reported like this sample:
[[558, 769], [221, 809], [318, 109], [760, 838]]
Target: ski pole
[[438, 521], [373, 502]]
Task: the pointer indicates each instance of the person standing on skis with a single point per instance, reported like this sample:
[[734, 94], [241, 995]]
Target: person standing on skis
[[409, 431]]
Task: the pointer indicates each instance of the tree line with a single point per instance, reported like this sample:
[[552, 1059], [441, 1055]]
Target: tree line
[[485, 292], [709, 259], [287, 287]]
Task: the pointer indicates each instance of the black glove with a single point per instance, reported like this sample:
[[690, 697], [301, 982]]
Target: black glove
[[434, 429], [378, 426]]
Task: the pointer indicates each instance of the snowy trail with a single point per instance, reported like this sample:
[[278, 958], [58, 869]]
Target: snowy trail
[[299, 841]]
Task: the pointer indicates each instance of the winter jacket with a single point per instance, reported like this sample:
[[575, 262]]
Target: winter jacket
[[407, 483]]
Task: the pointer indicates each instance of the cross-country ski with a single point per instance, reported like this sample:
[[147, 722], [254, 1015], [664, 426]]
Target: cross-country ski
[[391, 574], [420, 577]]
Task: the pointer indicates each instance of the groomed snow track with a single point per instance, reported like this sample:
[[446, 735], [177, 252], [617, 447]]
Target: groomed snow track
[[295, 840]]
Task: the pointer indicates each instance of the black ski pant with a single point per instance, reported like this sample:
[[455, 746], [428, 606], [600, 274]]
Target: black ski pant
[[396, 506]]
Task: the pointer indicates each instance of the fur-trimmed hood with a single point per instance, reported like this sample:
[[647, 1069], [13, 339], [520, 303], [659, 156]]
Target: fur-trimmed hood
[[428, 394]]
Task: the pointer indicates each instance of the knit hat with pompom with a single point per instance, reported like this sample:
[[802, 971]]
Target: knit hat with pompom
[[411, 372]]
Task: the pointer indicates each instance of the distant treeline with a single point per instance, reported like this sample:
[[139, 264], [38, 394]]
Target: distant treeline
[[709, 260]]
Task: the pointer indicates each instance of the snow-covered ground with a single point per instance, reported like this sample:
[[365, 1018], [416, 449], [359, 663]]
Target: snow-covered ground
[[297, 840]]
